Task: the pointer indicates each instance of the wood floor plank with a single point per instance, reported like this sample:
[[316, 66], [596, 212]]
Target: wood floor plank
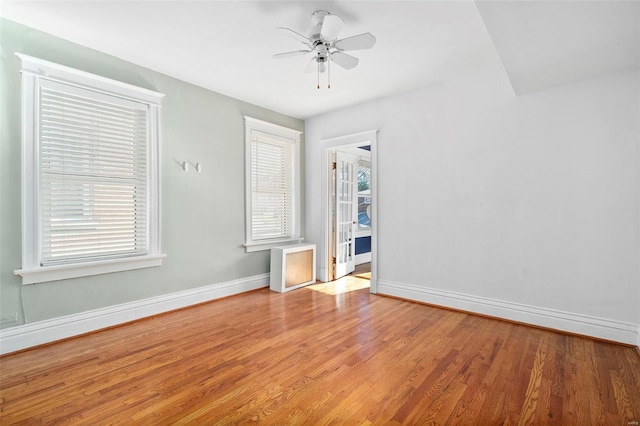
[[532, 402], [323, 354]]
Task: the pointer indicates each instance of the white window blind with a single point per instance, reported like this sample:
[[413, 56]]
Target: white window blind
[[272, 186], [90, 174], [93, 175]]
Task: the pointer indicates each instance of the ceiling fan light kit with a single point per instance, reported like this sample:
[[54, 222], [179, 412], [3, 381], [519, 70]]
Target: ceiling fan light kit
[[323, 42]]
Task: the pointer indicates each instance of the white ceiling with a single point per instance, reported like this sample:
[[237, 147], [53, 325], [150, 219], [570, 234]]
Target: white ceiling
[[226, 46], [548, 43]]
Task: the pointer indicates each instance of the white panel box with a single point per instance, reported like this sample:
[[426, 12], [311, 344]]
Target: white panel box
[[292, 267]]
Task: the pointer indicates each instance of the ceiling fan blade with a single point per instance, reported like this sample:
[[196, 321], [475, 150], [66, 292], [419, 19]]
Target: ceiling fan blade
[[311, 66], [343, 60], [294, 35], [290, 54], [357, 42], [331, 26]]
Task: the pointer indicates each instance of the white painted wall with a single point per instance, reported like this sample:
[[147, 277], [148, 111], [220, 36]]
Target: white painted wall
[[531, 200]]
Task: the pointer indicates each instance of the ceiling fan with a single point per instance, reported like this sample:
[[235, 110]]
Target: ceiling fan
[[322, 41]]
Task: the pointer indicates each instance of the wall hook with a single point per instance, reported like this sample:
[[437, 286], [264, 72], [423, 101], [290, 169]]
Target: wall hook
[[197, 166]]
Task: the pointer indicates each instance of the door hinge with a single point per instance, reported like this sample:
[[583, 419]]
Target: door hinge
[[334, 165], [333, 260]]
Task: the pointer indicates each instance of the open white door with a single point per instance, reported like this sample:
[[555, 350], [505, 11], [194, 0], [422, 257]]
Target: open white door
[[346, 214]]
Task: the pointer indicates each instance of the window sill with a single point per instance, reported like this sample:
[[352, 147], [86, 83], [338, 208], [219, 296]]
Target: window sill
[[268, 245], [63, 272]]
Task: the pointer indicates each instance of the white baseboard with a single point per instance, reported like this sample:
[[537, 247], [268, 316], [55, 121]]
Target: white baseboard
[[601, 328], [363, 258], [28, 335]]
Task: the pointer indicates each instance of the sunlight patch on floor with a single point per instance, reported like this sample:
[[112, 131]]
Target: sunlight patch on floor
[[344, 284], [365, 275]]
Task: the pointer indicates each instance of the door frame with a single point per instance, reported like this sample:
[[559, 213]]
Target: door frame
[[369, 137]]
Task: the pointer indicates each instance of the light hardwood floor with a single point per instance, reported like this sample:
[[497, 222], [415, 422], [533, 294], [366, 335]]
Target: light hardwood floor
[[325, 354]]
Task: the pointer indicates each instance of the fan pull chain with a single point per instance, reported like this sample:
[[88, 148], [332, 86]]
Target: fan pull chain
[[318, 75], [329, 71]]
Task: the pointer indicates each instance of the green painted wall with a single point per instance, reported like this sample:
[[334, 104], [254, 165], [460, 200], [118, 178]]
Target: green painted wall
[[202, 213]]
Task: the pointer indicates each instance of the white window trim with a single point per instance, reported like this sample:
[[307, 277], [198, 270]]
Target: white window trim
[[274, 129], [33, 70], [362, 231]]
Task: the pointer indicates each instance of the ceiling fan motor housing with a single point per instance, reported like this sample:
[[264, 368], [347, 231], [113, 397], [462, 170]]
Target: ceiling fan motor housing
[[323, 52], [317, 19]]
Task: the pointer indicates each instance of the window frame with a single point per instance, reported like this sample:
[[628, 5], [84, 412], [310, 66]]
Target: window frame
[[35, 70], [282, 132], [361, 230]]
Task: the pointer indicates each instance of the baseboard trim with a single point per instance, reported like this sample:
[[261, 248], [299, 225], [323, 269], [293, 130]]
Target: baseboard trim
[[363, 258], [601, 328], [38, 333]]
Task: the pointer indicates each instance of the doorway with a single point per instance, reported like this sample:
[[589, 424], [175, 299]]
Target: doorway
[[349, 206], [350, 239]]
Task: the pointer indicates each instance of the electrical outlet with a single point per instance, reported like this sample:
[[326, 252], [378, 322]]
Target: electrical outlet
[[9, 318]]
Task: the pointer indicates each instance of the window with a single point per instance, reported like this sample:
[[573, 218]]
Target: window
[[364, 193], [90, 184], [272, 178]]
